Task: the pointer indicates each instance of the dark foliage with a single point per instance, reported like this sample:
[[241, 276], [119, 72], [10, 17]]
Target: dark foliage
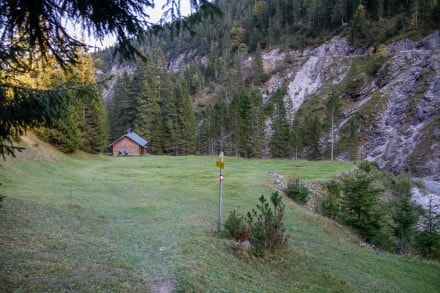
[[361, 207], [331, 203], [405, 214], [236, 227], [428, 240], [267, 232], [262, 227], [297, 191]]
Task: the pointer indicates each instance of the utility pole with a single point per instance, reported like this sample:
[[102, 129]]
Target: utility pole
[[333, 140]]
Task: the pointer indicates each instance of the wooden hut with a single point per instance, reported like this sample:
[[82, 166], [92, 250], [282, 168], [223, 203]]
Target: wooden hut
[[130, 144]]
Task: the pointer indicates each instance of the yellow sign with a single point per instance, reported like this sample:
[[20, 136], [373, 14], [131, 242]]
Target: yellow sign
[[221, 164]]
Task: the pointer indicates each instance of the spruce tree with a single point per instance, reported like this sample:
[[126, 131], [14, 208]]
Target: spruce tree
[[153, 127], [119, 107], [315, 130], [258, 74], [279, 143], [141, 87], [168, 113], [361, 207], [93, 124], [65, 133], [256, 125], [185, 138], [428, 240], [405, 214]]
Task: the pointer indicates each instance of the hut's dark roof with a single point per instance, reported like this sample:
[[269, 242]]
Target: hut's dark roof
[[137, 139], [134, 137]]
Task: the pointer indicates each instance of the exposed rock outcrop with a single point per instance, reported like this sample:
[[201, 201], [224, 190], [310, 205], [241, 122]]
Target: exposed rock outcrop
[[397, 111]]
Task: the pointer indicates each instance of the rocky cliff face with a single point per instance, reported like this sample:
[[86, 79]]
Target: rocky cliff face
[[392, 92]]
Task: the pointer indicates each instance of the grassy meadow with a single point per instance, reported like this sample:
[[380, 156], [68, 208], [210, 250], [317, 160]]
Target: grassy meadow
[[97, 223]]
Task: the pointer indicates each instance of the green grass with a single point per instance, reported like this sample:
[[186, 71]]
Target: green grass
[[94, 223]]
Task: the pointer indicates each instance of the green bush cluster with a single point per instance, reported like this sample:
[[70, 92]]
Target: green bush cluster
[[297, 191], [263, 227], [379, 207]]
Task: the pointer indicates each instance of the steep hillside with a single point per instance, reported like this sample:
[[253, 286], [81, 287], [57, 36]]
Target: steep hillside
[[391, 93]]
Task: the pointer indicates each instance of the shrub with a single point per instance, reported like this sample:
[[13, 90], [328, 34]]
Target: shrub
[[428, 244], [368, 166], [330, 205], [266, 227], [296, 191], [236, 227]]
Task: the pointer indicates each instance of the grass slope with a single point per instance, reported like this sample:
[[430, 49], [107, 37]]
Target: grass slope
[[94, 223]]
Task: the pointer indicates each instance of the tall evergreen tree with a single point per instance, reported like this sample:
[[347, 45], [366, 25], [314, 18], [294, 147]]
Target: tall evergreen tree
[[258, 74], [279, 143], [65, 134], [120, 107], [361, 206], [141, 89], [93, 124], [168, 107], [257, 125], [239, 122], [185, 127], [405, 214]]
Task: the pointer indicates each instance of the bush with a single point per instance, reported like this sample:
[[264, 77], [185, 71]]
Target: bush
[[428, 244], [267, 232], [297, 192], [368, 166], [263, 227], [236, 227], [330, 205]]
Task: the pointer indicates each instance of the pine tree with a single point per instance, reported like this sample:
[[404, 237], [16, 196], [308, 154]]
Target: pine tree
[[65, 134], [405, 214], [168, 113], [142, 95], [258, 74], [239, 122], [331, 204], [93, 124], [279, 143], [428, 240], [153, 128], [119, 107], [257, 124], [185, 139], [360, 205]]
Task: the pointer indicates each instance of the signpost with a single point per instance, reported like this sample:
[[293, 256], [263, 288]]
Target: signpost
[[221, 165]]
